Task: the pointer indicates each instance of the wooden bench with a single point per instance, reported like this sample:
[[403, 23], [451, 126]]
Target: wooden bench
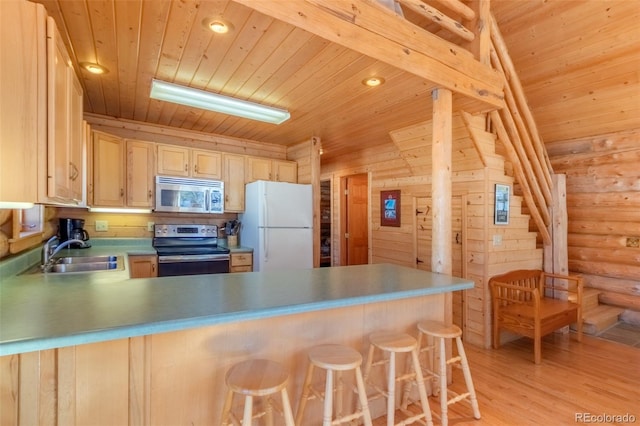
[[532, 303]]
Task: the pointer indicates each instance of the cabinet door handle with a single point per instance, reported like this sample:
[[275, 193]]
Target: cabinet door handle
[[122, 192], [150, 194], [74, 172], [186, 167], [195, 168]]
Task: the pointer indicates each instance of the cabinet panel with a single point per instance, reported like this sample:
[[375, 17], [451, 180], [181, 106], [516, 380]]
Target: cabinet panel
[[58, 146], [258, 169], [65, 141], [22, 105], [206, 164], [77, 148], [241, 262], [285, 171], [234, 171], [108, 170], [173, 160], [143, 266], [141, 166]]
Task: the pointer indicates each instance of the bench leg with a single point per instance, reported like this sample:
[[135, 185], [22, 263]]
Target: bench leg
[[537, 349]]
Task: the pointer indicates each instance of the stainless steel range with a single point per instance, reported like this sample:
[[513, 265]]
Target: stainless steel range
[[189, 250]]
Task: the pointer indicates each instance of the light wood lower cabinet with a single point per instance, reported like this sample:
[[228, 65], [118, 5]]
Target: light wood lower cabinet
[[241, 262], [143, 265]]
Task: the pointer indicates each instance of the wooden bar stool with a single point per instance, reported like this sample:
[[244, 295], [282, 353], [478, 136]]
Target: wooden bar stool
[[440, 331], [257, 378], [397, 343], [334, 359]]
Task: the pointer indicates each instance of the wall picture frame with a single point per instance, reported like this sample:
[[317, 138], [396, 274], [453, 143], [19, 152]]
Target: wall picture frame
[[502, 196], [390, 208]]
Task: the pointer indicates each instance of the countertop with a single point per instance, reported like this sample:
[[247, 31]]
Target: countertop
[[44, 311]]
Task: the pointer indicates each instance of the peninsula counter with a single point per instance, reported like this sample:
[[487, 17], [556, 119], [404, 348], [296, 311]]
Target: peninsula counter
[[154, 351]]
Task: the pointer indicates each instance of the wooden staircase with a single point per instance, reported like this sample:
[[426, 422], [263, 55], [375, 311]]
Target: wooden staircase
[[597, 317]]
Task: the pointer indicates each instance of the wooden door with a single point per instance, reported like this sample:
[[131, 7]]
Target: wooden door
[[423, 246], [206, 164], [355, 220], [141, 168]]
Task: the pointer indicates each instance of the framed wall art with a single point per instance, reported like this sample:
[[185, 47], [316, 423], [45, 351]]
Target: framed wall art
[[501, 216], [390, 208]]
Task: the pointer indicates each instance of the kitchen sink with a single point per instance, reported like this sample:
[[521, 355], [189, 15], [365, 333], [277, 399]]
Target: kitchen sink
[[87, 264]]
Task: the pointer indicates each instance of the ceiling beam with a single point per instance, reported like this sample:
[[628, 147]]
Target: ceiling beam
[[367, 28]]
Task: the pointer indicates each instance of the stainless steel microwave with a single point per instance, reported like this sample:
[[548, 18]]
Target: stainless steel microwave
[[189, 195]]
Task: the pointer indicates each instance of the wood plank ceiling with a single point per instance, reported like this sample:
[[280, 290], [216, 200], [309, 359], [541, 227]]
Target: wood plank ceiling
[[273, 63]]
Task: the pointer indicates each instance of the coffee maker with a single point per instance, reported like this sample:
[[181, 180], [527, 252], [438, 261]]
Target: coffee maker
[[73, 229]]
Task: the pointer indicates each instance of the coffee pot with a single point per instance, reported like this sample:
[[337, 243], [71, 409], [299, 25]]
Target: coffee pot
[[73, 229]]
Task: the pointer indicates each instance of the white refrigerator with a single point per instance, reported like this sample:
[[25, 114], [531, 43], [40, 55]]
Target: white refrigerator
[[278, 225]]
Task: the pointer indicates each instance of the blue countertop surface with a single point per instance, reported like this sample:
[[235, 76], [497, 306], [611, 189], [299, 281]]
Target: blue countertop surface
[[44, 311]]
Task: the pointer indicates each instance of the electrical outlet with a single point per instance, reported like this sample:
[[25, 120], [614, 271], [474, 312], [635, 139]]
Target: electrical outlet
[[497, 240], [102, 225], [150, 226]]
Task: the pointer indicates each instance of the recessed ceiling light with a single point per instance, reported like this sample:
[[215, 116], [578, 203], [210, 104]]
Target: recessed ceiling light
[[373, 81], [94, 68], [217, 25]]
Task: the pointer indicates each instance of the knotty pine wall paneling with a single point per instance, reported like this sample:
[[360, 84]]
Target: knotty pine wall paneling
[[406, 165], [603, 206]]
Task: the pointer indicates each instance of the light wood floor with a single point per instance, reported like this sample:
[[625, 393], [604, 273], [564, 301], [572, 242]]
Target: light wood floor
[[595, 376]]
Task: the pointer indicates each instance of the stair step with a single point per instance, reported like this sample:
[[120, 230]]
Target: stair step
[[590, 298], [600, 318]]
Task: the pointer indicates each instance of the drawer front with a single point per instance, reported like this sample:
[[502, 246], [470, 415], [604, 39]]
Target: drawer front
[[242, 268], [242, 259]]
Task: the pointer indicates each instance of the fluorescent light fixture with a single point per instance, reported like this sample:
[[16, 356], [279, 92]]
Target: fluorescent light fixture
[[117, 210], [15, 205], [196, 98]]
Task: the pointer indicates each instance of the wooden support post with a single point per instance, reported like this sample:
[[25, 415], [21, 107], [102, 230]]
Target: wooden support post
[[441, 192], [441, 189], [556, 258]]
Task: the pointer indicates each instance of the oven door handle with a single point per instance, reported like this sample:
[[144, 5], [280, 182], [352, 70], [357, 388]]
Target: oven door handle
[[193, 258]]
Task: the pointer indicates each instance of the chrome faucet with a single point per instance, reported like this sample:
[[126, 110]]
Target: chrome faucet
[[48, 252]]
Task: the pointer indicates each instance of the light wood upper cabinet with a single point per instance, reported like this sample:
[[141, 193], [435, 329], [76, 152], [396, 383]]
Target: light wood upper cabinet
[[268, 169], [22, 105], [108, 170], [234, 171], [206, 164], [173, 160], [65, 149], [285, 171], [141, 170], [179, 161]]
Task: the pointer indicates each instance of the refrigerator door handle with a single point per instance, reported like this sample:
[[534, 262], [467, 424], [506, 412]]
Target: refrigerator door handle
[[265, 248]]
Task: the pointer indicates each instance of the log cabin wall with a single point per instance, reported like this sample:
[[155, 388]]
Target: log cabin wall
[[603, 206], [406, 165]]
